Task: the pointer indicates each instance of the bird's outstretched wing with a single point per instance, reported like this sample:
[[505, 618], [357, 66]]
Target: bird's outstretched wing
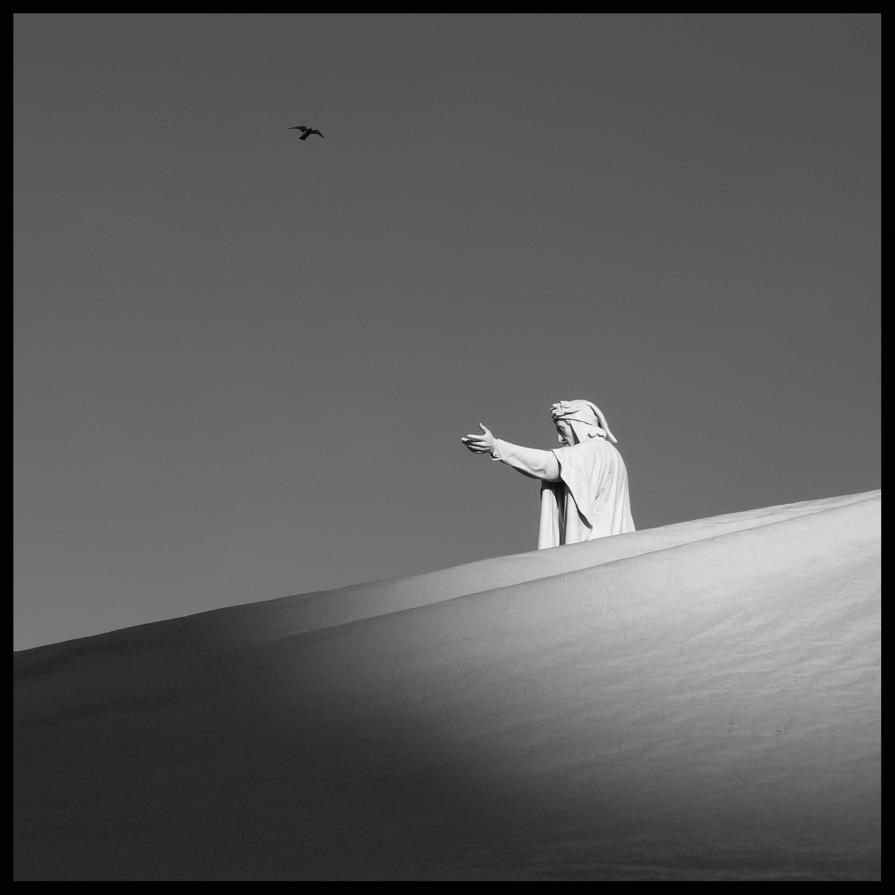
[[305, 131]]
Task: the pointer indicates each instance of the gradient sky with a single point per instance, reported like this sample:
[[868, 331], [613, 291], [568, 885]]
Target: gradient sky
[[244, 362]]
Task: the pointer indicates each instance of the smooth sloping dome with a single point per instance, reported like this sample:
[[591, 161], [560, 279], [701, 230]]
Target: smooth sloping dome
[[699, 701]]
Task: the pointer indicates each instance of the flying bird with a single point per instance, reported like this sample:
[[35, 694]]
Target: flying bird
[[305, 131]]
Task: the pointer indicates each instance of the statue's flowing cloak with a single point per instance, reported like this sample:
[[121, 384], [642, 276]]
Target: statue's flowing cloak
[[590, 500]]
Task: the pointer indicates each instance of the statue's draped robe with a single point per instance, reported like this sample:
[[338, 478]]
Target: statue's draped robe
[[591, 498], [584, 489]]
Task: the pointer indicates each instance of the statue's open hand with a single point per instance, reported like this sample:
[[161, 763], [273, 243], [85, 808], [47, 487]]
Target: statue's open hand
[[480, 444]]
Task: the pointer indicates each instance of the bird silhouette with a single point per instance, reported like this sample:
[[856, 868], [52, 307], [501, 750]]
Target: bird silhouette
[[305, 131]]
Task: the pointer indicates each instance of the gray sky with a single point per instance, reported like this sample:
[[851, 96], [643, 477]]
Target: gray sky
[[244, 362]]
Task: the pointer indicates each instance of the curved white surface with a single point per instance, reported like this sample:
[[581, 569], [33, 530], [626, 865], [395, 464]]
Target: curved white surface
[[698, 701]]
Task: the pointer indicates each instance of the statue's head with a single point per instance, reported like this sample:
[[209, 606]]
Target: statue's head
[[576, 421], [565, 433]]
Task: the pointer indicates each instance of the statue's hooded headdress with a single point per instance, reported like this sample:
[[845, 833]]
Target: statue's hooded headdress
[[585, 418]]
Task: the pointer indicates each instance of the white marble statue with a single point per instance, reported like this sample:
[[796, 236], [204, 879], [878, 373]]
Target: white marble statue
[[584, 484]]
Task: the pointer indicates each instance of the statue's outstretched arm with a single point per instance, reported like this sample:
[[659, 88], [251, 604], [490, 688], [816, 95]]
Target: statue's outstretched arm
[[529, 461], [532, 462]]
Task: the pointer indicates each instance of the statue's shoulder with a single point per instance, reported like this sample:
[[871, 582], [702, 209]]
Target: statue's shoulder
[[584, 450], [599, 450], [592, 448], [598, 445]]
